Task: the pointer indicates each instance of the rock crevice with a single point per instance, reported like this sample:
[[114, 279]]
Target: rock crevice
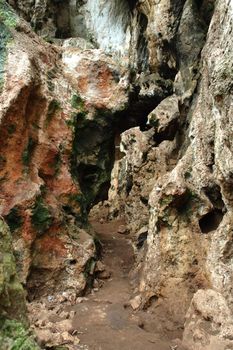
[[129, 102]]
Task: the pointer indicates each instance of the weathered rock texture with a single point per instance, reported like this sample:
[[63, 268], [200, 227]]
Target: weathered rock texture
[[148, 83], [56, 135], [13, 313], [188, 236], [182, 168]]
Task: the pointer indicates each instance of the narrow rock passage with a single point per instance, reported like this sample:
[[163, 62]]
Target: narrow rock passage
[[104, 320]]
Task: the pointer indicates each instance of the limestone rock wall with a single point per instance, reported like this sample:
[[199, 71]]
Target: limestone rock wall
[[190, 204], [57, 108], [177, 176], [161, 73]]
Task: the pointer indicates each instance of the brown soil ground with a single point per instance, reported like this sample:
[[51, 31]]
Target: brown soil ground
[[106, 321]]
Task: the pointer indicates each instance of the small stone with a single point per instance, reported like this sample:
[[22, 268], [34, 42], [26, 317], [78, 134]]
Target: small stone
[[40, 323], [140, 324], [95, 284], [72, 314], [136, 302], [65, 326], [46, 337], [99, 266], [76, 341], [50, 298], [101, 220], [123, 230], [104, 275], [66, 338], [79, 300], [42, 336]]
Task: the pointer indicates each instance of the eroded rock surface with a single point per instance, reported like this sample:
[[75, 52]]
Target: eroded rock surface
[[187, 246], [209, 323], [142, 89], [48, 111], [13, 312]]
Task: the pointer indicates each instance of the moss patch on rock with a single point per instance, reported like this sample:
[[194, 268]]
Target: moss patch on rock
[[12, 296], [7, 16], [77, 102], [41, 216], [53, 108], [14, 219], [28, 151], [14, 336], [8, 20]]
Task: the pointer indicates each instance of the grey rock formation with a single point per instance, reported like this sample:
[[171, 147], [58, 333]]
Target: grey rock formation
[[159, 74]]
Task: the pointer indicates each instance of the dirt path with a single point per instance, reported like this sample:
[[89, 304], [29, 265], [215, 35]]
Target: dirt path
[[103, 320]]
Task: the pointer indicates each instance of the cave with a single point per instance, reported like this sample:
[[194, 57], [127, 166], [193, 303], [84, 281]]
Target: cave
[[105, 232], [211, 221]]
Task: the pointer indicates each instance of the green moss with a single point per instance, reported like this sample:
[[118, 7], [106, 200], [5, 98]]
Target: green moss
[[53, 108], [14, 336], [51, 74], [14, 220], [76, 119], [72, 121], [7, 16], [27, 153], [154, 121], [165, 201], [41, 216], [5, 37], [77, 102], [8, 20]]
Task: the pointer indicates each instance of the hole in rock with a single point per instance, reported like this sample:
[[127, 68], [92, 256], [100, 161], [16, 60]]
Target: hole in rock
[[97, 147], [168, 134], [215, 196], [73, 262], [211, 221], [142, 239]]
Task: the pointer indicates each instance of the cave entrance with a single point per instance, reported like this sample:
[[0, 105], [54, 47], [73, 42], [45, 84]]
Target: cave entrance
[[104, 23], [96, 147]]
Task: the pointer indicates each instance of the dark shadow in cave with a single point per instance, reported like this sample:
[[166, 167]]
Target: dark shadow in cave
[[62, 19], [96, 145], [211, 221], [96, 142]]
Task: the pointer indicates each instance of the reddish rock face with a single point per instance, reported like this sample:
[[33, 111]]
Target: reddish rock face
[[101, 81], [41, 103]]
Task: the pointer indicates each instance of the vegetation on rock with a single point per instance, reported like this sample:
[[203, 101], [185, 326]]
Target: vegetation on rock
[[41, 216], [8, 20], [14, 336]]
